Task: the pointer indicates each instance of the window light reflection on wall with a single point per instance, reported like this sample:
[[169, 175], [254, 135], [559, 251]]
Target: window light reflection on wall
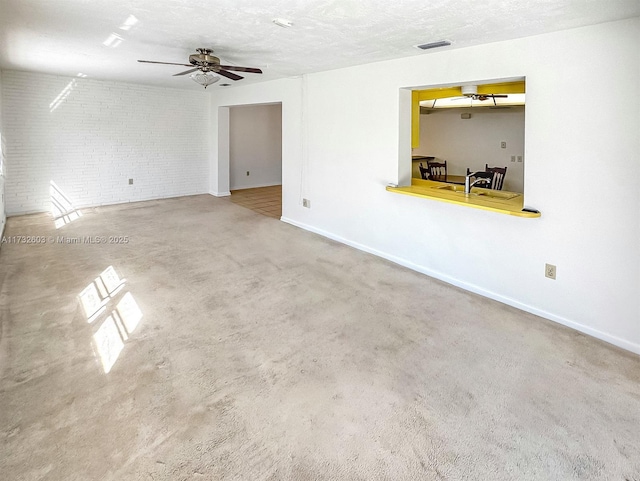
[[62, 208], [113, 40], [129, 23]]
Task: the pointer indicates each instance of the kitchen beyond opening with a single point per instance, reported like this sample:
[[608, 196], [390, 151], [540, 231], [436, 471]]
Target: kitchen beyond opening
[[470, 128]]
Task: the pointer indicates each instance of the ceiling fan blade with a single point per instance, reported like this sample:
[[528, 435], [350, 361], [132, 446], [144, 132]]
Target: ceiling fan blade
[[185, 72], [229, 75], [241, 69], [166, 63]]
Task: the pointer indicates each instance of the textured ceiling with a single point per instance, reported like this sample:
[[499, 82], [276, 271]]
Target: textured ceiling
[[101, 39]]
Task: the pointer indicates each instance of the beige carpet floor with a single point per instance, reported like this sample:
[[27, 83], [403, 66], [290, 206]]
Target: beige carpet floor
[[200, 340]]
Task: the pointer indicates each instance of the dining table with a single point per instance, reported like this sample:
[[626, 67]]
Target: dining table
[[451, 179]]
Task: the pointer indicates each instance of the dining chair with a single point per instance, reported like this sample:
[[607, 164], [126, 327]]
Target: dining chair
[[424, 172], [482, 175], [499, 174], [437, 170]]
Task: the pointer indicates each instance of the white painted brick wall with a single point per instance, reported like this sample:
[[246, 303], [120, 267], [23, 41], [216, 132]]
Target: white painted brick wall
[[91, 136]]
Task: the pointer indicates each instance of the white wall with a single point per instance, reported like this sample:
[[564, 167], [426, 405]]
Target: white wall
[[255, 145], [473, 143], [91, 136], [3, 216], [590, 222]]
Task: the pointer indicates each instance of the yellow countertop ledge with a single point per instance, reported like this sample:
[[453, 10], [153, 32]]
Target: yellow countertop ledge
[[503, 202]]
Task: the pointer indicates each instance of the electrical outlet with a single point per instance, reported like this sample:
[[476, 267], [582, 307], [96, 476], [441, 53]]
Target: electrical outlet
[[519, 158], [503, 145], [306, 203], [550, 271], [247, 173], [513, 158], [130, 181]]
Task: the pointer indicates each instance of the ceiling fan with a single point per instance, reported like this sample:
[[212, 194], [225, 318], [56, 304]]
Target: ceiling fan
[[205, 61], [471, 92]]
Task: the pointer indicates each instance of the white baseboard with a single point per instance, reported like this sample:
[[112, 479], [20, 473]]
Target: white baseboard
[[257, 186], [603, 336], [220, 194], [80, 206]]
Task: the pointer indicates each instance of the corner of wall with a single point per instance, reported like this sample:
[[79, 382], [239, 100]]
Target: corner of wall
[[3, 213]]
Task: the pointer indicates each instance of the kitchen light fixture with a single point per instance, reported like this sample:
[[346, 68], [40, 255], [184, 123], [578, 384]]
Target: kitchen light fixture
[[204, 78], [513, 100], [468, 90]]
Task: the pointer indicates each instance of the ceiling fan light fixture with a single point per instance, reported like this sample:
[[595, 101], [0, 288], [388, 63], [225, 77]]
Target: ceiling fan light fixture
[[438, 44], [204, 78]]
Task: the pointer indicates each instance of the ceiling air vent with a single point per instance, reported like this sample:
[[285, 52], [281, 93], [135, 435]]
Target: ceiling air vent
[[427, 46]]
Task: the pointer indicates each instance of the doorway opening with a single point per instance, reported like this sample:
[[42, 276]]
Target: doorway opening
[[255, 157]]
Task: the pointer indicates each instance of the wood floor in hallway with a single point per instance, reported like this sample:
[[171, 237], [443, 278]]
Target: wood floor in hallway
[[264, 200]]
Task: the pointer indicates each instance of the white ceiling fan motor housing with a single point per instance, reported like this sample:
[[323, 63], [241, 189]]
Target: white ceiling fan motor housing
[[469, 90]]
